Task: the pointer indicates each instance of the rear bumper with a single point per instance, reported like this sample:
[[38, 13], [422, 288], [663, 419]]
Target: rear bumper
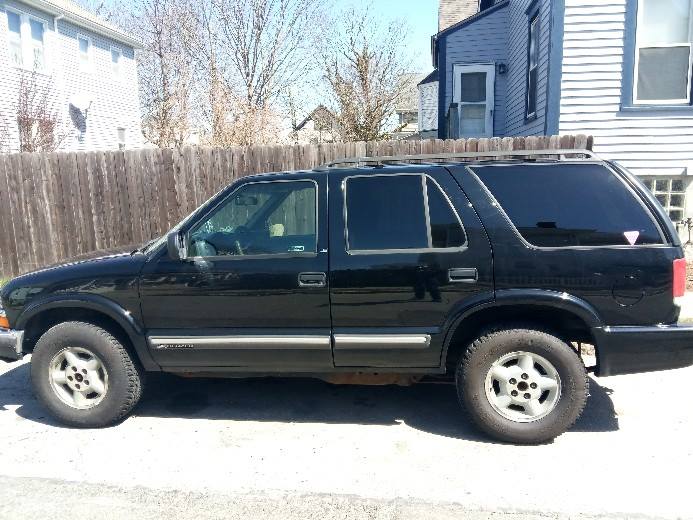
[[630, 350], [11, 344]]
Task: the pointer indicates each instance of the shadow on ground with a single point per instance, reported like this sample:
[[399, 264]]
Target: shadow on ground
[[427, 407]]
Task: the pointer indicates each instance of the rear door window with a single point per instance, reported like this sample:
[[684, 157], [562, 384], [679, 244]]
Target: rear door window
[[446, 230], [386, 212], [570, 205], [399, 213]]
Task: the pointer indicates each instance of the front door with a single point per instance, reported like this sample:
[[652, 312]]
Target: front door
[[254, 291], [406, 251], [474, 93]]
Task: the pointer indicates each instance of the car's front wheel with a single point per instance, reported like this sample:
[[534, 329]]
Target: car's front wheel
[[84, 376], [522, 385]]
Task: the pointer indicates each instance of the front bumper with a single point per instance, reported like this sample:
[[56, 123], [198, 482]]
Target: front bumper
[[11, 344], [631, 350]]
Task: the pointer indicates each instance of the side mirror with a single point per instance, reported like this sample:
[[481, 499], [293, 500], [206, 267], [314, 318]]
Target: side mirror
[[177, 248]]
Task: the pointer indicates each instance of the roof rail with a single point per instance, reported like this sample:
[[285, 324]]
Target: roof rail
[[491, 155]]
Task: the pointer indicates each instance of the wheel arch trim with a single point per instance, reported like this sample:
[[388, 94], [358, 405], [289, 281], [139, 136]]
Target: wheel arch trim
[[521, 297], [99, 304]]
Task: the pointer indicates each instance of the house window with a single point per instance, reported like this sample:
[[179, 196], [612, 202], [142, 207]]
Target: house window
[[671, 194], [121, 138], [115, 61], [663, 52], [26, 36], [85, 61], [408, 118], [36, 44], [14, 23], [532, 67]]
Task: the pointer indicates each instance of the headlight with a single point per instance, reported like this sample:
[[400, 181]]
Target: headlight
[[4, 324]]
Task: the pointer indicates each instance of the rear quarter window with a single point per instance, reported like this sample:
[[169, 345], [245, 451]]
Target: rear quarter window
[[565, 205]]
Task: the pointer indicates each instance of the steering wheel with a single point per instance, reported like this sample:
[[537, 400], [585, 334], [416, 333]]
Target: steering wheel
[[204, 248], [240, 232]]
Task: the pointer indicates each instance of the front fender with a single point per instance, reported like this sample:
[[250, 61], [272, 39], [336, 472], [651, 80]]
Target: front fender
[[97, 303]]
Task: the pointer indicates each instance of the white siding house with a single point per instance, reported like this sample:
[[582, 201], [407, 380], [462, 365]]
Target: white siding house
[[652, 138], [86, 65], [428, 106], [619, 70]]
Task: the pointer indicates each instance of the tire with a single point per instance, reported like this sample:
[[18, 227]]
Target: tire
[[499, 367], [78, 351]]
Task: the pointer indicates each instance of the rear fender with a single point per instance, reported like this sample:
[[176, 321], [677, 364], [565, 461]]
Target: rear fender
[[522, 297]]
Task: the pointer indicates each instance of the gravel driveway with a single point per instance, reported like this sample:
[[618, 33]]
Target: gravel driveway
[[295, 448]]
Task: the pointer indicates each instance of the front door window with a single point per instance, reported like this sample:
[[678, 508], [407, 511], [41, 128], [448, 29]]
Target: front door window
[[265, 218]]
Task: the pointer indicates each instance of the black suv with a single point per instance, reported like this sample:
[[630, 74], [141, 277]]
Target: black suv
[[493, 268]]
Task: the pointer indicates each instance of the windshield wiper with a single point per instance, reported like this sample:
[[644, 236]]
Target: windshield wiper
[[146, 246]]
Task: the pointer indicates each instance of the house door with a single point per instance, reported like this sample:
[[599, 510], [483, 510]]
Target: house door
[[474, 93]]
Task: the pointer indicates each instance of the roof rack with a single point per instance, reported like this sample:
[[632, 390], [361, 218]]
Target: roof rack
[[490, 155]]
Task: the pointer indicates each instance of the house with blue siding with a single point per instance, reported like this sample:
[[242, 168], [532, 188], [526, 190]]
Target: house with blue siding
[[84, 66], [619, 70]]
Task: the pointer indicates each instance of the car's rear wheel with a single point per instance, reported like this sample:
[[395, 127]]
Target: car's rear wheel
[[522, 385], [84, 376]]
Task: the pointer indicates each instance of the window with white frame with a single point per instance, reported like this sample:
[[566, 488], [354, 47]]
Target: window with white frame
[[671, 194], [115, 61], [663, 52], [14, 26], [37, 31], [85, 56], [26, 40]]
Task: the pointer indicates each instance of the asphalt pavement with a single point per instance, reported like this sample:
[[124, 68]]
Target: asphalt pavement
[[298, 448]]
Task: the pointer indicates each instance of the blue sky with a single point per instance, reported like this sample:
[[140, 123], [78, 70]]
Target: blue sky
[[422, 18]]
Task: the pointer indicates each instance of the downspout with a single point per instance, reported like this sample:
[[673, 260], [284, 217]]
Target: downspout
[[58, 69], [442, 84]]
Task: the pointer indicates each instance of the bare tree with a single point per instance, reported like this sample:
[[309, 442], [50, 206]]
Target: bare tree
[[108, 10], [265, 42], [219, 66], [365, 65], [165, 70], [251, 52], [40, 128]]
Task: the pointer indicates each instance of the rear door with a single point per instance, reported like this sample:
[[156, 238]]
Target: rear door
[[406, 251]]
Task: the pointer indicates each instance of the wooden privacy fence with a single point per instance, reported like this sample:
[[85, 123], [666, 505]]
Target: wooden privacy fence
[[57, 206]]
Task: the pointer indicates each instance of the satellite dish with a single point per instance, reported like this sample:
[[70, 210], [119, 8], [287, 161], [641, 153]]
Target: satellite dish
[[81, 102]]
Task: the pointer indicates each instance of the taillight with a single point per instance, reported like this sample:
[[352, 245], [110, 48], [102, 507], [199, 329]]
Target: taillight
[[679, 277]]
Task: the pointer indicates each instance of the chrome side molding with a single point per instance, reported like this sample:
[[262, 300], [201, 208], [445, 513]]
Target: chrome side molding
[[240, 342], [341, 342], [381, 341]]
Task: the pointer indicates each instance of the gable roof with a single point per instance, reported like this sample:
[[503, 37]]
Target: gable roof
[[473, 18], [319, 112], [72, 12], [431, 78]]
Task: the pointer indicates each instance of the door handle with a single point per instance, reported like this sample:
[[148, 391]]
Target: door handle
[[463, 275], [312, 280]]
